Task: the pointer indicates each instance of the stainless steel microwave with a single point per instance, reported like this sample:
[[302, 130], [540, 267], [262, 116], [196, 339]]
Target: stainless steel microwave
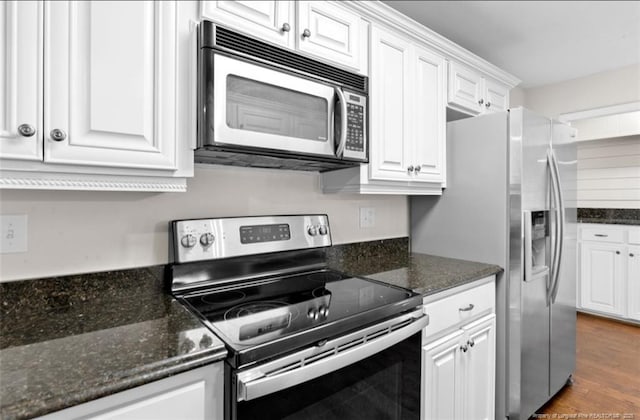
[[264, 106]]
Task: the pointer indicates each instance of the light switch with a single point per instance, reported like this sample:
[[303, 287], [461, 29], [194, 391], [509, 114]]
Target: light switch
[[14, 233]]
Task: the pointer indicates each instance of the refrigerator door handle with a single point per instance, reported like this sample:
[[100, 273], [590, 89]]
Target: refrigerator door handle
[[561, 228], [558, 226]]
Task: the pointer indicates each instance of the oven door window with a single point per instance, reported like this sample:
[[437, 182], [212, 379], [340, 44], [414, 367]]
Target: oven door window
[[385, 386]]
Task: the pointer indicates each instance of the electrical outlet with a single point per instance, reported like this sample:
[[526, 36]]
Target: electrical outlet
[[367, 217], [14, 233]]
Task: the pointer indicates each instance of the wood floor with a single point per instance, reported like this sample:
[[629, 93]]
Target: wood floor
[[607, 378]]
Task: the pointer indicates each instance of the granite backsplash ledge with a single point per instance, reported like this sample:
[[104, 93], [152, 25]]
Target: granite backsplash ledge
[[609, 216]]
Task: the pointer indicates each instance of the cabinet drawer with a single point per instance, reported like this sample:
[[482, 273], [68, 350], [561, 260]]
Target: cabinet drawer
[[450, 311], [602, 235], [634, 236]]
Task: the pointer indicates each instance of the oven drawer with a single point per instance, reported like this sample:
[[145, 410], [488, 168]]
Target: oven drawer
[[459, 308]]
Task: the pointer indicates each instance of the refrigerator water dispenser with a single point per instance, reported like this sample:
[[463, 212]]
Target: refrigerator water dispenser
[[536, 245]]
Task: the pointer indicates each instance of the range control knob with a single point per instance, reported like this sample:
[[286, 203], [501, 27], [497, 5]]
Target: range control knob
[[312, 314], [188, 241], [207, 239], [313, 231], [323, 311], [322, 230]]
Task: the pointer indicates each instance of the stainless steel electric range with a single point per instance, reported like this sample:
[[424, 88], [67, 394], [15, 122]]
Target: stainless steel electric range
[[304, 341]]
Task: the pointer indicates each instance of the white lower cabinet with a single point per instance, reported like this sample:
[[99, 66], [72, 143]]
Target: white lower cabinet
[[193, 395], [609, 270], [458, 356]]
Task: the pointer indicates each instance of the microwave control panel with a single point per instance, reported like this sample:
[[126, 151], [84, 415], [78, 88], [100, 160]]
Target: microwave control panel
[[356, 144]]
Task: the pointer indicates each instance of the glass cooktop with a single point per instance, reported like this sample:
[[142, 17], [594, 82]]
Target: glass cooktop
[[256, 313]]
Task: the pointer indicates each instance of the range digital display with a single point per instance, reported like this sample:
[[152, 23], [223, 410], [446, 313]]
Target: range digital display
[[264, 233]]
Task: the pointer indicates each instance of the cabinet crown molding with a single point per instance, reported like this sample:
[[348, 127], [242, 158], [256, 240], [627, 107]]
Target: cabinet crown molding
[[383, 14]]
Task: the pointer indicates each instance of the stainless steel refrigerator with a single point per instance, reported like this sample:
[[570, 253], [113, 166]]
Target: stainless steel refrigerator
[[511, 200]]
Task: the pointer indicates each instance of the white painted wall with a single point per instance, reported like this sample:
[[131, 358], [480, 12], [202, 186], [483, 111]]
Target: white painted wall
[[73, 232], [613, 87]]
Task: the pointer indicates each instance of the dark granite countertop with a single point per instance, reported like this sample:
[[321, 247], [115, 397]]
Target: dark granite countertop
[[391, 262], [68, 340], [609, 216]]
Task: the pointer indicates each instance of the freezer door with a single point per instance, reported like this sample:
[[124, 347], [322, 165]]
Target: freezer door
[[563, 305], [530, 139]]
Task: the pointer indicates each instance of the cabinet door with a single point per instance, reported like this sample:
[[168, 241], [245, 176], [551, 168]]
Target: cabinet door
[[21, 79], [465, 88], [271, 21], [110, 83], [429, 116], [479, 365], [328, 31], [391, 114], [633, 281], [496, 96], [441, 379], [602, 278]]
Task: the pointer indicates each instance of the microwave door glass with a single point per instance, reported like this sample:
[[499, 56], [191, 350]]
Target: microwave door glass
[[260, 107]]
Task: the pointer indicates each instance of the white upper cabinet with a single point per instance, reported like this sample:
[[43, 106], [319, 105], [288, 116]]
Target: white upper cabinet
[[323, 29], [272, 21], [105, 90], [110, 84], [21, 80], [407, 153], [329, 31], [473, 93], [390, 118]]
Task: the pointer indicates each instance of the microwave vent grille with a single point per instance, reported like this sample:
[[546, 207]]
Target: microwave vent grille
[[237, 42]]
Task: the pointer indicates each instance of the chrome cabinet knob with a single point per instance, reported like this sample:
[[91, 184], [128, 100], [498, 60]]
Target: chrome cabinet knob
[[481, 101], [488, 104], [285, 27], [417, 168], [306, 33], [26, 130], [57, 134], [464, 348], [410, 168]]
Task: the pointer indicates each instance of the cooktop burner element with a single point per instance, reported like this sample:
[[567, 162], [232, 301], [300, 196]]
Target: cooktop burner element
[[268, 298]]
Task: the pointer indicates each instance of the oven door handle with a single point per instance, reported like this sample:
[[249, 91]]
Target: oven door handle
[[254, 383]]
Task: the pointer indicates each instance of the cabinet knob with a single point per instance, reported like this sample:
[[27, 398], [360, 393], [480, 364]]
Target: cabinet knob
[[410, 168], [57, 134], [631, 254], [26, 130], [306, 33], [481, 101], [464, 348], [471, 343], [488, 104], [417, 169], [285, 27], [617, 252]]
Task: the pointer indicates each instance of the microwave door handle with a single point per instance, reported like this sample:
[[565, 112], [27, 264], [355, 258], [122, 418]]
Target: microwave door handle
[[343, 120]]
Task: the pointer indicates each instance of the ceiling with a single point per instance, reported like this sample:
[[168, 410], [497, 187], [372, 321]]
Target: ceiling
[[540, 42]]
